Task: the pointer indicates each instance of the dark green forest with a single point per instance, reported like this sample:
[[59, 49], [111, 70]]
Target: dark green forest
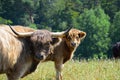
[[100, 19]]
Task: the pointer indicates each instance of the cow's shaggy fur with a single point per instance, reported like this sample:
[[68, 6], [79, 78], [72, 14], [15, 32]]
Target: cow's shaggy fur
[[116, 50], [20, 56], [64, 49]]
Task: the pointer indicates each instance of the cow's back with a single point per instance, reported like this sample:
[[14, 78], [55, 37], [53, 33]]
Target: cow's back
[[23, 29]]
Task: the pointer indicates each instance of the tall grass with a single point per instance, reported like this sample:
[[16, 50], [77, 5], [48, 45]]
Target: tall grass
[[78, 70]]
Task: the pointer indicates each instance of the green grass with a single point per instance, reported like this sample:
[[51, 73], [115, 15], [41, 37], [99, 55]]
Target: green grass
[[75, 70]]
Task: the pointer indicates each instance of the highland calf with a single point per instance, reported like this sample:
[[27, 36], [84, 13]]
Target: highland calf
[[64, 49], [20, 53]]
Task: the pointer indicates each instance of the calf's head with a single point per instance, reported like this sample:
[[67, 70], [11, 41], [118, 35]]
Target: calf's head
[[74, 37]]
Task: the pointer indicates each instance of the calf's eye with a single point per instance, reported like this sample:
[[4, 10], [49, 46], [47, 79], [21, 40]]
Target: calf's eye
[[69, 38], [77, 38]]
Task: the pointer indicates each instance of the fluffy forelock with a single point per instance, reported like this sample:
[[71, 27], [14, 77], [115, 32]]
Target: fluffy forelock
[[42, 36]]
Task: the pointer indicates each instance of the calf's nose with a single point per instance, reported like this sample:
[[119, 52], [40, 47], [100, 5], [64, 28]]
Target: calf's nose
[[73, 43]]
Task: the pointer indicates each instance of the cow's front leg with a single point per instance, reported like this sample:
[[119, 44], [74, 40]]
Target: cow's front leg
[[58, 66], [12, 76], [17, 72]]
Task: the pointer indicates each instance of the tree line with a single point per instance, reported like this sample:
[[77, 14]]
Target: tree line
[[100, 19]]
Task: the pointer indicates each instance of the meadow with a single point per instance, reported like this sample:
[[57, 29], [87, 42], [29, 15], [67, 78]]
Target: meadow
[[78, 70]]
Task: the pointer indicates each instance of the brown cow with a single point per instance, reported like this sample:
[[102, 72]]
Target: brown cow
[[64, 49], [20, 55]]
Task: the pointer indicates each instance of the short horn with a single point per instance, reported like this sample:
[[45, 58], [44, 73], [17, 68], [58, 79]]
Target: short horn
[[19, 34], [61, 34]]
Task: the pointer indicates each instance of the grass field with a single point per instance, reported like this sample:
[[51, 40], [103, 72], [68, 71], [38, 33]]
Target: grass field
[[75, 70]]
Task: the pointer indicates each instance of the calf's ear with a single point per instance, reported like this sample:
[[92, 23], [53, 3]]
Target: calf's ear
[[82, 34]]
